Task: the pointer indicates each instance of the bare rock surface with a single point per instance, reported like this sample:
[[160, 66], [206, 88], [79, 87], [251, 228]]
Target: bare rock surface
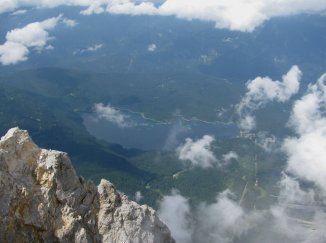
[[43, 200]]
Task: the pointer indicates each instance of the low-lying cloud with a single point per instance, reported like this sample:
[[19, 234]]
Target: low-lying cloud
[[198, 152], [34, 36], [19, 12], [69, 22], [262, 90], [110, 114], [93, 48], [151, 47], [138, 196], [238, 15], [175, 211], [299, 213], [174, 136], [307, 151], [221, 221], [228, 157]]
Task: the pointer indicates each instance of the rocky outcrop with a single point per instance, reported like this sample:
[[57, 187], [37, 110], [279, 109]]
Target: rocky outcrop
[[43, 200]]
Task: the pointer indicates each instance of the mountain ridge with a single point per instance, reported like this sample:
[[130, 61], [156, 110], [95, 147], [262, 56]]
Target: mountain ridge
[[42, 199]]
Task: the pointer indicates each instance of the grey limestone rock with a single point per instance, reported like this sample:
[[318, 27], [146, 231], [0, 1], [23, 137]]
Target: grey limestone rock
[[43, 200]]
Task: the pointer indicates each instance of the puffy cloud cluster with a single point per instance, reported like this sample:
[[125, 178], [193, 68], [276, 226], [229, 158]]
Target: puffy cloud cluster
[[19, 41], [243, 15], [175, 211], [12, 53], [262, 90], [111, 114], [306, 163], [240, 15], [225, 218], [33, 36], [198, 152], [220, 221], [225, 221], [303, 184], [130, 8], [299, 215], [306, 152]]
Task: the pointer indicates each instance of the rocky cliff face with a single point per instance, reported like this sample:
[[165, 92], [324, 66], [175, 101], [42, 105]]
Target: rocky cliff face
[[43, 200]]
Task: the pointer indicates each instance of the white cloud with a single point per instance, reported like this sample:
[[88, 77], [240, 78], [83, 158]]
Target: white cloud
[[239, 15], [49, 47], [262, 90], [198, 152], [128, 7], [292, 193], [223, 214], [32, 35], [19, 12], [224, 219], [11, 5], [307, 224], [95, 7], [69, 22], [89, 49], [19, 41], [95, 47], [307, 151], [174, 210], [298, 216], [305, 163], [151, 47], [138, 196], [308, 162], [111, 114], [216, 222], [266, 141], [230, 156], [12, 53], [8, 5], [242, 15], [230, 14], [247, 122]]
